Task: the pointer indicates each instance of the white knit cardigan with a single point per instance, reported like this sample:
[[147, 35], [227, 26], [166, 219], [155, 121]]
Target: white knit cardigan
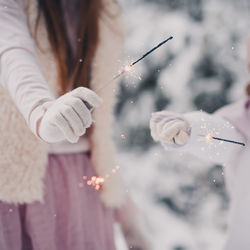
[[23, 157]]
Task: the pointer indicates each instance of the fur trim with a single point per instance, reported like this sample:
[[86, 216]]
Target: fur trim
[[23, 163], [105, 66]]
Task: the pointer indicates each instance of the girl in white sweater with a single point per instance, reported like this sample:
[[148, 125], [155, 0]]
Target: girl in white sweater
[[192, 133], [49, 197]]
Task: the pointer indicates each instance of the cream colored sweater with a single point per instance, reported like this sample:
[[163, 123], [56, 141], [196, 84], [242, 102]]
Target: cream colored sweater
[[23, 156]]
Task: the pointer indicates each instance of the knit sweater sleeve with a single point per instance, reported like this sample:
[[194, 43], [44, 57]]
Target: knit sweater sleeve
[[200, 143], [20, 71]]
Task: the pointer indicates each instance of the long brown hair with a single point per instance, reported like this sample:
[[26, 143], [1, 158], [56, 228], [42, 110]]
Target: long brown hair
[[72, 72]]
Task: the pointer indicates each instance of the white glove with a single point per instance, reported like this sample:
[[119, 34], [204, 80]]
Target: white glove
[[68, 117], [169, 128]]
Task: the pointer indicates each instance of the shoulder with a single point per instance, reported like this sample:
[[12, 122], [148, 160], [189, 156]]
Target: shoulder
[[238, 114]]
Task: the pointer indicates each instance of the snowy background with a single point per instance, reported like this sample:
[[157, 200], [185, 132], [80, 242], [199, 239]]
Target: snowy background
[[183, 200]]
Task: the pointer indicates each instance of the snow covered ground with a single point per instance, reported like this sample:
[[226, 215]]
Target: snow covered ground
[[183, 200]]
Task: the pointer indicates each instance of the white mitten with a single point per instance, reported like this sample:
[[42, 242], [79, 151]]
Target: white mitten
[[169, 128], [68, 117]]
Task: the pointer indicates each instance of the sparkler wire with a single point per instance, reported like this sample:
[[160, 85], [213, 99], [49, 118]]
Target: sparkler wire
[[224, 140], [152, 50], [230, 141]]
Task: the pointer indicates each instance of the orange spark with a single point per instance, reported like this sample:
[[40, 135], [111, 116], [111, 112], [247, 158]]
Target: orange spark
[[123, 136], [209, 137]]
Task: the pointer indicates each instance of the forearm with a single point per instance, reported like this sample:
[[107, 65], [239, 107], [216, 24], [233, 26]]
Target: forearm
[[203, 126], [21, 76], [133, 226], [19, 67]]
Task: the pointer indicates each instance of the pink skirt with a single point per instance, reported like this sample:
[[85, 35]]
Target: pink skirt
[[71, 218]]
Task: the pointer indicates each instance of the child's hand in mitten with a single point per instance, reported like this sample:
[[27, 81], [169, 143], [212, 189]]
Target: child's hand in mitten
[[169, 128], [68, 117]]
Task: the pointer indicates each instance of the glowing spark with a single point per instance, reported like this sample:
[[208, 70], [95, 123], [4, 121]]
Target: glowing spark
[[123, 136], [96, 181], [99, 180], [128, 68], [209, 137]]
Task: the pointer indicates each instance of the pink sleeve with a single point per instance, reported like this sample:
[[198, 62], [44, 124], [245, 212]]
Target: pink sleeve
[[20, 71]]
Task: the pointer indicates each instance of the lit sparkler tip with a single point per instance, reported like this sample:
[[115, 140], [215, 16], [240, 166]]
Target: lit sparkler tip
[[128, 67], [209, 137], [123, 136]]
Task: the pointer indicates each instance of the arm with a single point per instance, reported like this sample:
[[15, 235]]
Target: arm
[[133, 226], [53, 120], [190, 135], [19, 67]]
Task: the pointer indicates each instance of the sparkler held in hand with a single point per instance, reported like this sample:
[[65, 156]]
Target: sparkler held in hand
[[210, 137], [129, 67]]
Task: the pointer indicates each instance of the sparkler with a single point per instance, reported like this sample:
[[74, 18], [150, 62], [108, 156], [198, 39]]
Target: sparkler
[[129, 67], [210, 137]]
